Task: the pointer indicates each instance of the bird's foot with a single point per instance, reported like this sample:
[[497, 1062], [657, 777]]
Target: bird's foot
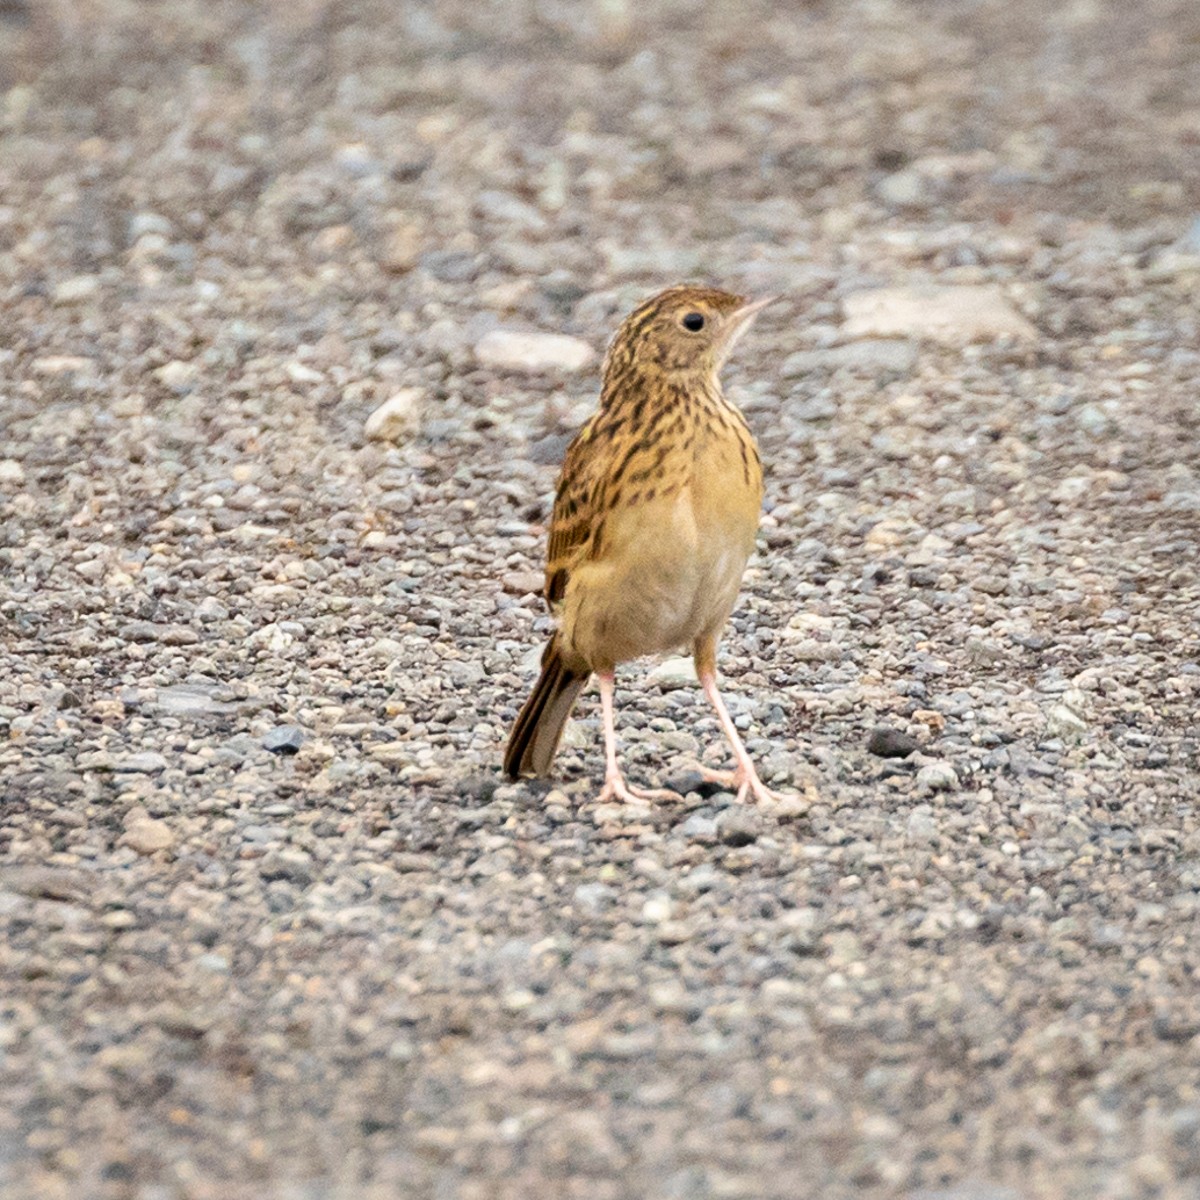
[[615, 788], [745, 782]]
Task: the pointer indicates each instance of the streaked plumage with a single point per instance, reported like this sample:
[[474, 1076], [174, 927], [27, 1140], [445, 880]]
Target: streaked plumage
[[654, 519]]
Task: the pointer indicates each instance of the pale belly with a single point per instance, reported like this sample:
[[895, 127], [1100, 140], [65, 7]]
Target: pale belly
[[673, 575]]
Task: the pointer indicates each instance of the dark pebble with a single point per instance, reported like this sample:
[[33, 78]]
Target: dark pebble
[[887, 742], [479, 787], [284, 739], [737, 826]]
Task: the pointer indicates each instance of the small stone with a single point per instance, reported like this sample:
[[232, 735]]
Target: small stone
[[672, 997], [302, 373], [593, 897], [977, 1189], [1062, 721], [792, 805], [886, 742], [523, 583], [294, 866], [903, 189], [392, 754], [396, 417], [149, 762], [62, 364], [479, 787], [11, 471], [177, 376], [921, 826], [953, 315], [657, 909], [46, 883], [148, 836], [402, 251], [689, 781], [333, 240], [450, 266], [737, 827], [284, 739], [698, 826], [77, 290], [95, 760], [178, 635], [517, 1000], [511, 350], [673, 673], [142, 223], [936, 777], [464, 674], [674, 933]]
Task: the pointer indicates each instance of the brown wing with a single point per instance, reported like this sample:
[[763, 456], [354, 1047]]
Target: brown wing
[[572, 520]]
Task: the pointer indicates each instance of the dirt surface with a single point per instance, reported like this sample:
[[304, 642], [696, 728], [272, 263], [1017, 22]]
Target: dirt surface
[[272, 926]]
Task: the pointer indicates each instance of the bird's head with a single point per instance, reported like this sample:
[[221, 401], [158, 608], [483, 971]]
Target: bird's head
[[685, 330]]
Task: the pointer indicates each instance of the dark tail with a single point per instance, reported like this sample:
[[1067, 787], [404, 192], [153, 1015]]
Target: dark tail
[[535, 735]]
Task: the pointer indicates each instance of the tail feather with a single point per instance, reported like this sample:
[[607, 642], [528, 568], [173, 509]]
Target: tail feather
[[539, 726]]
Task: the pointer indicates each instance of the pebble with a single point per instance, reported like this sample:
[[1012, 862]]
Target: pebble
[[699, 826], [55, 365], [888, 742], [510, 350], [873, 355], [284, 739], [904, 189], [397, 417], [738, 826], [148, 762], [950, 314], [178, 376], [936, 777], [77, 290], [673, 673], [524, 583], [148, 836], [402, 251]]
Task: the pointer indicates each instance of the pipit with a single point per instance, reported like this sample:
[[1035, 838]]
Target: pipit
[[654, 519]]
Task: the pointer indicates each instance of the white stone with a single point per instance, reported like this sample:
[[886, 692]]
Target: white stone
[[397, 416], [61, 364], [77, 289], [952, 315], [904, 189], [271, 637], [298, 372], [177, 375], [11, 471], [510, 350], [1063, 721], [673, 673], [148, 836], [936, 777], [657, 908]]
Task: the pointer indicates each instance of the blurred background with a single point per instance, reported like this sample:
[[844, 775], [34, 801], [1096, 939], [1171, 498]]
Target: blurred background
[[542, 152], [271, 926]]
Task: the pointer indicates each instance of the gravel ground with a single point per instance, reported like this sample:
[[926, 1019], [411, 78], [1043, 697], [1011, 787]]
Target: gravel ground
[[272, 924]]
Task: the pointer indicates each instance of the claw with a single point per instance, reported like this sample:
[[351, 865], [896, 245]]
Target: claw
[[615, 788], [746, 783]]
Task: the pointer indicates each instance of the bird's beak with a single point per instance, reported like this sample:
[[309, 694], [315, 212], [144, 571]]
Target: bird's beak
[[739, 321], [749, 311]]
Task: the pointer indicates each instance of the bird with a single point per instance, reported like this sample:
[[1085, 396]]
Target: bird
[[655, 517]]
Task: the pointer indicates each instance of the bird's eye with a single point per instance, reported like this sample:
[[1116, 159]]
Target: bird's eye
[[693, 322]]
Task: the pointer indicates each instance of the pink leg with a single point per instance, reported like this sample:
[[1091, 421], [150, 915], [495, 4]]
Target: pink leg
[[745, 777], [615, 786]]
